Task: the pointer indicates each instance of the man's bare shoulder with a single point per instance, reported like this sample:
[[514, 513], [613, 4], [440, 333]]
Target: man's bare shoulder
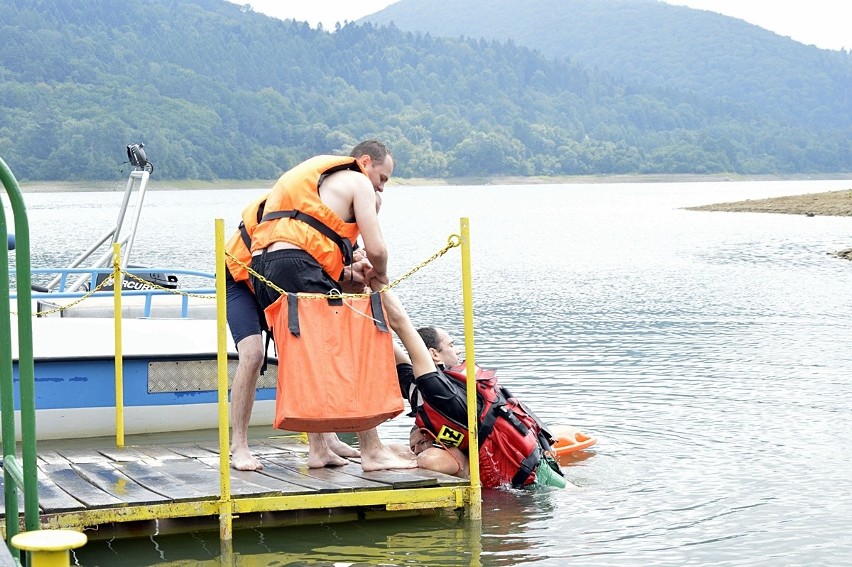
[[347, 179]]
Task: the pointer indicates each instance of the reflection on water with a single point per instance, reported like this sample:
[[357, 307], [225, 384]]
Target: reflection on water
[[709, 353], [439, 539]]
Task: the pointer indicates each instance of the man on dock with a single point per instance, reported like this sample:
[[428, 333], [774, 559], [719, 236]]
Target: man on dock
[[311, 220]]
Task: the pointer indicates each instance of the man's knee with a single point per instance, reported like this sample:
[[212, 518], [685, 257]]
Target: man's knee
[[250, 351]]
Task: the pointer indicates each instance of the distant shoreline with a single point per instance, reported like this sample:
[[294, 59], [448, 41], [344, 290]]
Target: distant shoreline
[[829, 203], [225, 184]]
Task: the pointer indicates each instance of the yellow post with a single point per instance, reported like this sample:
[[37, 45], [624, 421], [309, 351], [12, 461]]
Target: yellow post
[[225, 504], [119, 364], [49, 548], [473, 430]]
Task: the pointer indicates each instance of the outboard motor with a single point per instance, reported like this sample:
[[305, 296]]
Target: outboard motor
[[168, 281]]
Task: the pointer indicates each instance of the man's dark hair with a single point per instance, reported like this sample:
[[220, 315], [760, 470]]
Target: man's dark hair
[[377, 151], [429, 336]]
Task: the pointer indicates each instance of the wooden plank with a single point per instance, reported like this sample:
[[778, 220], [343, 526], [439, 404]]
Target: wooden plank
[[295, 450], [397, 478], [263, 450], [52, 499], [330, 475], [154, 476], [52, 458], [68, 480], [109, 479], [274, 483], [279, 485], [124, 454], [290, 444], [259, 450], [443, 479], [206, 479], [79, 456], [192, 450], [312, 485], [160, 453]]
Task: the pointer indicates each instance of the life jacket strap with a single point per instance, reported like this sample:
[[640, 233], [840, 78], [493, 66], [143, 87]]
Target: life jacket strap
[[527, 467], [293, 313], [486, 425], [378, 315], [344, 244]]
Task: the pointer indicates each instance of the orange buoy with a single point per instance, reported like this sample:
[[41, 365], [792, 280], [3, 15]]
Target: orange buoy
[[569, 440]]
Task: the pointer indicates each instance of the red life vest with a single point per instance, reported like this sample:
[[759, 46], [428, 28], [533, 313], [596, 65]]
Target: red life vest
[[510, 438]]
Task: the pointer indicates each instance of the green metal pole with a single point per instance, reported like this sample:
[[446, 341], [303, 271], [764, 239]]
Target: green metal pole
[[26, 372], [7, 407]]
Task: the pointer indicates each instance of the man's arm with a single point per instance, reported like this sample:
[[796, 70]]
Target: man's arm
[[364, 207], [398, 320]]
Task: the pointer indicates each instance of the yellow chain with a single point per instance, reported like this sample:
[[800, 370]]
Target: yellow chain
[[453, 241], [80, 299]]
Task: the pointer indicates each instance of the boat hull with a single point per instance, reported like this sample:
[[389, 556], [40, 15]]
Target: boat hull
[[169, 375]]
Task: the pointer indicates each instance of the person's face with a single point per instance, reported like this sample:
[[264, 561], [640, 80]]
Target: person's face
[[447, 352], [418, 441], [378, 173]]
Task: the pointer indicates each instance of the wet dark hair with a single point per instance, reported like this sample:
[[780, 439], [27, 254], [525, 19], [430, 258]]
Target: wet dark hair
[[429, 336], [377, 151]]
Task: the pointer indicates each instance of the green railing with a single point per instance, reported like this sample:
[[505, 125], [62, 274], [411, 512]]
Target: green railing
[[19, 474]]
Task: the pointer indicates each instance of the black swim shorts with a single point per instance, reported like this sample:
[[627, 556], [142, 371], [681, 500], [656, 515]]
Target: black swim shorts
[[245, 316], [291, 270]]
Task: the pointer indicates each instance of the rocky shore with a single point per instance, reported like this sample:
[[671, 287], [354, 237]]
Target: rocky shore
[[831, 203]]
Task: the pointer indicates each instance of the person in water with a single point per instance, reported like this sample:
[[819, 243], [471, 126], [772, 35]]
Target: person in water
[[419, 366]]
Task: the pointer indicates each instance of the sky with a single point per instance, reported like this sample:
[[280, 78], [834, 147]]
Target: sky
[[824, 23]]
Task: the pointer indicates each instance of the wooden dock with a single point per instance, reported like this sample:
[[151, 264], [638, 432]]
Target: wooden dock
[[145, 489]]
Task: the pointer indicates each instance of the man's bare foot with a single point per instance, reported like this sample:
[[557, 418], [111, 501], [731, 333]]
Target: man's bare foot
[[385, 458], [243, 460], [328, 459], [340, 448], [319, 453]]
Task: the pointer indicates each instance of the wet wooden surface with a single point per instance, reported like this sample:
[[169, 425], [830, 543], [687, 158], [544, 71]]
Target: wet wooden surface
[[73, 480]]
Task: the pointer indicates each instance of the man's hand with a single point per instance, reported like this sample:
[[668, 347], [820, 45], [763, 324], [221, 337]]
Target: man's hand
[[354, 278]]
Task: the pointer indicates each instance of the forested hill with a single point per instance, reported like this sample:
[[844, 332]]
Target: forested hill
[[659, 46], [215, 90]]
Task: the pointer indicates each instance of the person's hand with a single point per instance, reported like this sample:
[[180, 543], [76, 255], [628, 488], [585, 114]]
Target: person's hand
[[375, 280], [354, 278], [358, 255]]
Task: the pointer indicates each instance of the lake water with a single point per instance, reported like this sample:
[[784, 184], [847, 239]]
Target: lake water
[[710, 353]]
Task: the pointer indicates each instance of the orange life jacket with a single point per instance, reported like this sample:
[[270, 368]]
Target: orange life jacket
[[293, 207], [239, 245]]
